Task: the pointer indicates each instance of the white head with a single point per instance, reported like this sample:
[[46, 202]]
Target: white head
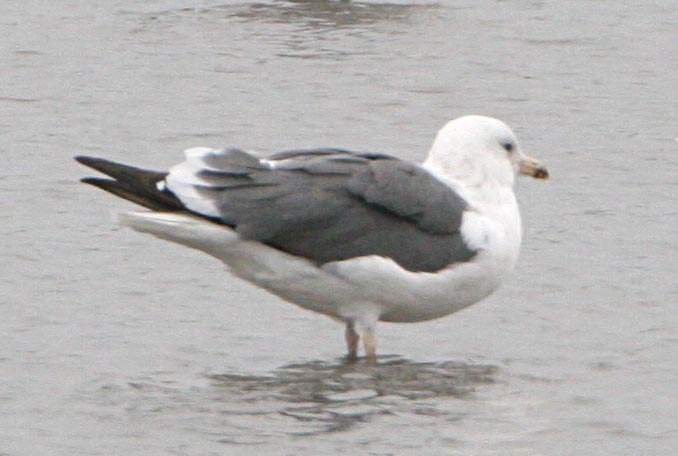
[[478, 150]]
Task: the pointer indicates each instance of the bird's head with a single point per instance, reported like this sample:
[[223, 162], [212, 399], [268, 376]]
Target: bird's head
[[481, 149]]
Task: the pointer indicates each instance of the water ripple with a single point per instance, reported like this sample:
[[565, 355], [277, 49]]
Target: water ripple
[[325, 397]]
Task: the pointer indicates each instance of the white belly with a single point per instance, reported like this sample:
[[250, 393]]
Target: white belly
[[364, 289]]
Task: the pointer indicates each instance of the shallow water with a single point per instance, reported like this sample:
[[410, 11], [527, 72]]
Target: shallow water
[[114, 342]]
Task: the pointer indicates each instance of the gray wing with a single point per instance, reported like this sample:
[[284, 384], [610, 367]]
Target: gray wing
[[328, 204]]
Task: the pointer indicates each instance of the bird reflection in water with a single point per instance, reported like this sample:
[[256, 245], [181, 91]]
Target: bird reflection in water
[[334, 397]]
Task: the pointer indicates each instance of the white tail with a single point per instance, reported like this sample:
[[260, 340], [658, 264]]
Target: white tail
[[182, 228]]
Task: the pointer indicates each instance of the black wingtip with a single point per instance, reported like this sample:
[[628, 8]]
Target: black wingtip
[[86, 160], [96, 163], [108, 167], [121, 172], [148, 198], [131, 183], [94, 180], [102, 183]]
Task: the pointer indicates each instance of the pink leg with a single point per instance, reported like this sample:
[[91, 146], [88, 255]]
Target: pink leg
[[370, 343], [352, 339]]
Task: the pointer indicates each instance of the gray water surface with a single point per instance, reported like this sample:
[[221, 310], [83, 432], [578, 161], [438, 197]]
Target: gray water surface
[[117, 343]]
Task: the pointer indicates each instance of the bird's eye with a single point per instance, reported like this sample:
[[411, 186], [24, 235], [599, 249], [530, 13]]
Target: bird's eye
[[508, 146]]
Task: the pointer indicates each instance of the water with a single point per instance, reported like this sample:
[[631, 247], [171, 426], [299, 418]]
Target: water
[[113, 342]]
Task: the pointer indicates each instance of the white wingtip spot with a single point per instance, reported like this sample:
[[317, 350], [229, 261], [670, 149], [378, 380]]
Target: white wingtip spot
[[160, 185], [270, 163]]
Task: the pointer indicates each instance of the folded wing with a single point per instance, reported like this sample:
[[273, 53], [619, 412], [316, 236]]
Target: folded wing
[[327, 204]]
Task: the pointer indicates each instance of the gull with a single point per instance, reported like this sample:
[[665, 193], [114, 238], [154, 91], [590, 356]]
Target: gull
[[360, 237]]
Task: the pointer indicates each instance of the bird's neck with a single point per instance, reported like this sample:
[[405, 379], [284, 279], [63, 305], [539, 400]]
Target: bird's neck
[[481, 184], [489, 197]]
